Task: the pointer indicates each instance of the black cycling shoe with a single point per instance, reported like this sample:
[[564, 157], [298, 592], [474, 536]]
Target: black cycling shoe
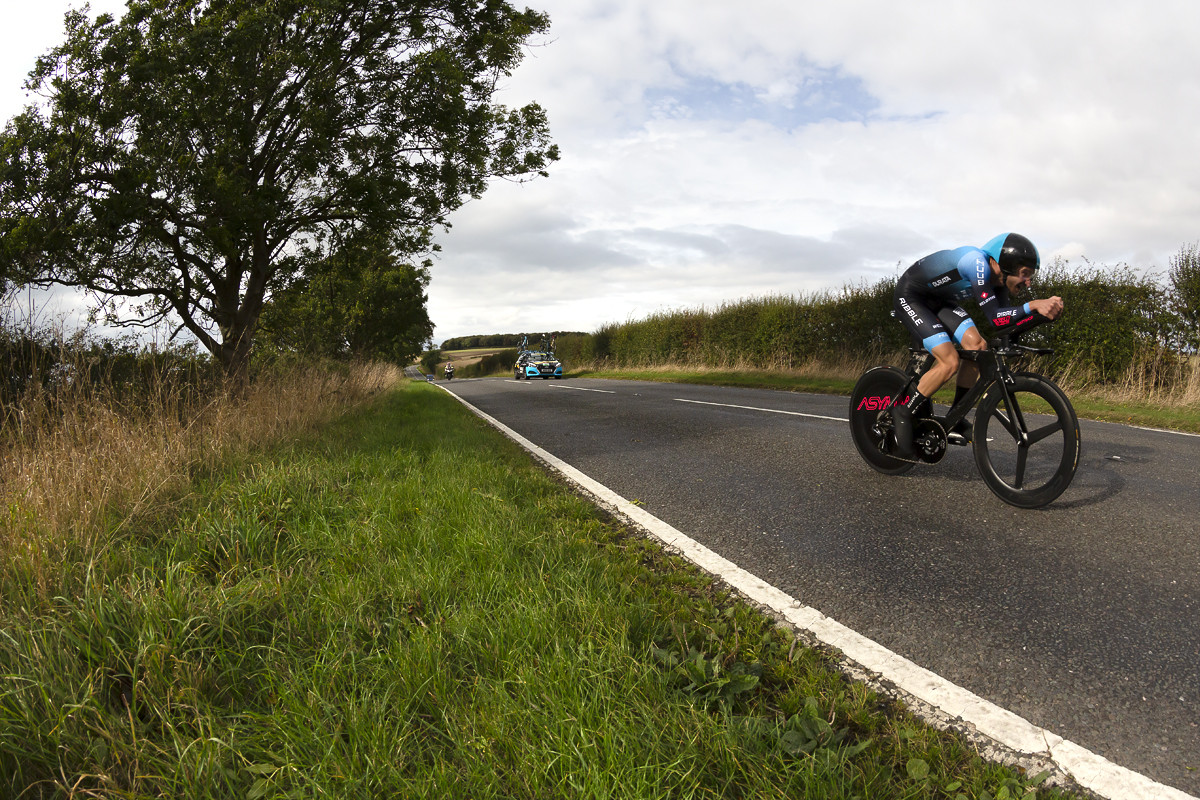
[[960, 434], [902, 422]]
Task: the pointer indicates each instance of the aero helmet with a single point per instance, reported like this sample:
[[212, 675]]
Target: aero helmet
[[1013, 251]]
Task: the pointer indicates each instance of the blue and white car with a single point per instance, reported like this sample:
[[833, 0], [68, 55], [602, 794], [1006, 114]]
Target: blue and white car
[[537, 364]]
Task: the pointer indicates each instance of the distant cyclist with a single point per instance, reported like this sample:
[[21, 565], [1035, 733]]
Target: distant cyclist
[[927, 302]]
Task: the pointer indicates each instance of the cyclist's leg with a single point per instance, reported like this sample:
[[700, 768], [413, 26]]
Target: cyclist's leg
[[968, 373], [922, 319], [942, 371], [923, 325], [962, 330]]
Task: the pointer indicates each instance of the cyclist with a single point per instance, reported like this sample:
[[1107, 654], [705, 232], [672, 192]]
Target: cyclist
[[926, 301]]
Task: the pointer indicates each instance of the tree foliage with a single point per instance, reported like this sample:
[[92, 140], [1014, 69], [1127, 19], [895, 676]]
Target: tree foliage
[[500, 339], [1184, 275], [429, 361], [190, 158], [361, 301]]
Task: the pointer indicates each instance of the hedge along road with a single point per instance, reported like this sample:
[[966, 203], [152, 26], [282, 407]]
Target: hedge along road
[[1080, 617]]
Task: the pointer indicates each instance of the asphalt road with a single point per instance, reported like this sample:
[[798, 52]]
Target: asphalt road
[[1080, 617]]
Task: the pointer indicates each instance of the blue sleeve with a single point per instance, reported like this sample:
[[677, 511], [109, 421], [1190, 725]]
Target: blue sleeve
[[974, 267]]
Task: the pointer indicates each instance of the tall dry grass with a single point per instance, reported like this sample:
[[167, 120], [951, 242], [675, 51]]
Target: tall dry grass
[[1160, 379], [843, 366], [83, 461]]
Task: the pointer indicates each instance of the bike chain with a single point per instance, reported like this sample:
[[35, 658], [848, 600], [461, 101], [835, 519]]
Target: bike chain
[[899, 457]]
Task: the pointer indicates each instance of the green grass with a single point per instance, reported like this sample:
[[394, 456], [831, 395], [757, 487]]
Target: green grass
[[405, 606], [1145, 414], [1180, 418], [746, 379]]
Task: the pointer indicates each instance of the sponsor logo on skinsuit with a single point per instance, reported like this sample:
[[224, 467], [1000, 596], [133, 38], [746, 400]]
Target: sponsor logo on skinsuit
[[980, 271], [908, 310], [944, 278], [998, 321]]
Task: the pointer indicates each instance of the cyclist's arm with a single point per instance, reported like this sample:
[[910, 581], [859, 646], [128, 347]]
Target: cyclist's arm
[[1050, 307], [993, 302]]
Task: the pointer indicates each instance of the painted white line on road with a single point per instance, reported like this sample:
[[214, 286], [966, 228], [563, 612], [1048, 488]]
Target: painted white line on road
[[580, 389], [755, 408], [1000, 725], [1162, 430], [576, 388]]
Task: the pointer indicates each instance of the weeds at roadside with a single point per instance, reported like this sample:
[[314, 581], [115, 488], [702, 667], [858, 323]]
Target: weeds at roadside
[[84, 462]]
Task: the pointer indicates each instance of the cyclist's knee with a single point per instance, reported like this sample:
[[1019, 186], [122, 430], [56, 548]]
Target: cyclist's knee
[[947, 358], [971, 340]]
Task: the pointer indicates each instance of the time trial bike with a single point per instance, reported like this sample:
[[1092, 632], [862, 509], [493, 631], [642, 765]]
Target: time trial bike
[[1025, 435]]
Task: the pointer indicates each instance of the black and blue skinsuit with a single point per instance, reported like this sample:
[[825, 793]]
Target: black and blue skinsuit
[[929, 292]]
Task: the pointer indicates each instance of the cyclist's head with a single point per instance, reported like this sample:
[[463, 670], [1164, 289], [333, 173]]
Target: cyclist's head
[[1011, 251]]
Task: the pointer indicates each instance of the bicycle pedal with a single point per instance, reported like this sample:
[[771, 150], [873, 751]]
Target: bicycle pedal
[[957, 439]]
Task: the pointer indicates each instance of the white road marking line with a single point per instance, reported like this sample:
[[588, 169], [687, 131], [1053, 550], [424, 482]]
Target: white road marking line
[[1000, 725], [580, 388], [754, 408], [1162, 430]]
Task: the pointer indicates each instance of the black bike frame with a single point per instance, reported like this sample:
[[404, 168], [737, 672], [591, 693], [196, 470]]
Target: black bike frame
[[992, 369]]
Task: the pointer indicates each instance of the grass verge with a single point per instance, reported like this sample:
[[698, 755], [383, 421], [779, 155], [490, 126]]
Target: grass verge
[[1088, 404], [406, 606]]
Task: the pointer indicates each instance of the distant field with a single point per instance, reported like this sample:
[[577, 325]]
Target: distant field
[[461, 358], [474, 351]]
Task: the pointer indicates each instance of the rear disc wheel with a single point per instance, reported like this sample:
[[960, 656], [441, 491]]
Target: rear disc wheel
[[870, 419]]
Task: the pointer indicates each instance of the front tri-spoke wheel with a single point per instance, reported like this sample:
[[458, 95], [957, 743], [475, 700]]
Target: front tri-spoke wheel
[[1026, 441]]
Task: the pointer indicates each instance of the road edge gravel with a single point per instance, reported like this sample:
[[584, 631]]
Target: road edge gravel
[[999, 734]]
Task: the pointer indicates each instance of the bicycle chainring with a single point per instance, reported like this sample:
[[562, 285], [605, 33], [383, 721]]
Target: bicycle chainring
[[929, 440]]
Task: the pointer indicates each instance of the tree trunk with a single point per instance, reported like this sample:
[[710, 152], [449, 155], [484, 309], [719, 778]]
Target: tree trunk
[[234, 355]]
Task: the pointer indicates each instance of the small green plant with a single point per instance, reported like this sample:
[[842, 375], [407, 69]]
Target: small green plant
[[710, 681]]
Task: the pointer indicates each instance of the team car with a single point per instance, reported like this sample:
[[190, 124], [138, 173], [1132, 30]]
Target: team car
[[537, 364]]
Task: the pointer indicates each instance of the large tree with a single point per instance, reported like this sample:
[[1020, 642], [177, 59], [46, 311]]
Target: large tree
[[189, 158], [361, 301]]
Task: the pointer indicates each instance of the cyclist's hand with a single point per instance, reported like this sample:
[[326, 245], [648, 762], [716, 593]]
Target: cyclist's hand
[[1049, 308]]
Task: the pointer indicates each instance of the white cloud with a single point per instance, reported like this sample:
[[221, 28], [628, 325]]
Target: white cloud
[[29, 31], [778, 146], [714, 150]]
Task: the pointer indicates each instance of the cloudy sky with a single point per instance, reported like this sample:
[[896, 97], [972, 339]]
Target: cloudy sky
[[714, 150]]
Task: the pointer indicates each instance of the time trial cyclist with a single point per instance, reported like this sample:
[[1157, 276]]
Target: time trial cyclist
[[927, 302]]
